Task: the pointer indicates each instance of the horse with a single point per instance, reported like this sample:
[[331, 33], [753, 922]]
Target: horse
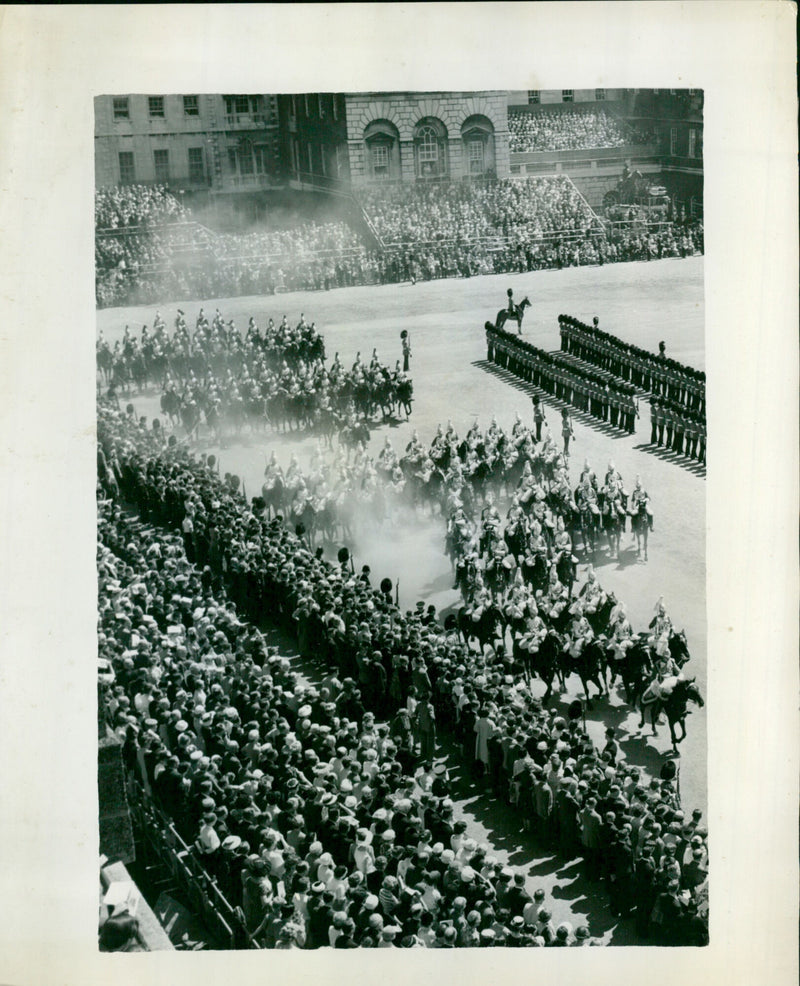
[[590, 523], [589, 666], [673, 704], [634, 669], [565, 570], [613, 524], [516, 315], [405, 390], [546, 662], [105, 360], [483, 626], [534, 571], [598, 620], [678, 648], [190, 417], [171, 406], [641, 522]]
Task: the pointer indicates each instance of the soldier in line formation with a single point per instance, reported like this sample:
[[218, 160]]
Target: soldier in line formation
[[656, 373], [595, 392], [674, 427]]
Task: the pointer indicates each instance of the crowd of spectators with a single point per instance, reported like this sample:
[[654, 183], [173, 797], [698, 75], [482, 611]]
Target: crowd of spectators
[[429, 231], [568, 130], [323, 808], [136, 205], [470, 211]]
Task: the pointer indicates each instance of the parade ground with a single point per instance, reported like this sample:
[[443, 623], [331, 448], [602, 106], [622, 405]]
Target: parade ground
[[642, 303]]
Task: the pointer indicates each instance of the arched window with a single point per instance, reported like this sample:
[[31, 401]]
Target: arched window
[[428, 145], [383, 150], [477, 136], [430, 148]]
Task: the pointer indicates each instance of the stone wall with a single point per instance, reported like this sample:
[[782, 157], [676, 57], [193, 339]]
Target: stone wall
[[405, 109]]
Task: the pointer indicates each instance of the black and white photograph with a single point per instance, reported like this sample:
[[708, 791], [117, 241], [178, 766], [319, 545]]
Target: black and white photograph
[[401, 515], [396, 600]]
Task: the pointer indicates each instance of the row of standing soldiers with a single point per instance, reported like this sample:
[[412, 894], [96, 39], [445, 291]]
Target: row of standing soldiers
[[675, 428], [656, 373], [608, 400]]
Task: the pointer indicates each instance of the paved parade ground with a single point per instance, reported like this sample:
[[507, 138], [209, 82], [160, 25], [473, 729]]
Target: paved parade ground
[[642, 303]]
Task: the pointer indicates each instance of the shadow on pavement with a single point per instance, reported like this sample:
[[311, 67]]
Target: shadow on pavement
[[668, 455], [528, 388]]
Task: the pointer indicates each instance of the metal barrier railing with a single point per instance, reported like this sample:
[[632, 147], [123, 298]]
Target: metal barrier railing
[[202, 890]]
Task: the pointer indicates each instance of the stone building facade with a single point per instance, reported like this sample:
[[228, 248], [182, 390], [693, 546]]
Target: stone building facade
[[361, 138], [216, 142], [405, 136]]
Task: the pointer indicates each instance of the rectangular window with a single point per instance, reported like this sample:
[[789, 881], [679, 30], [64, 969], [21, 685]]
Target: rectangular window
[[121, 111], [692, 143], [294, 105], [155, 104], [196, 168], [232, 164], [380, 160], [380, 156], [429, 151], [127, 174], [309, 155], [242, 104], [599, 95], [262, 158], [476, 157], [673, 140], [335, 107], [567, 95], [534, 96], [190, 106], [308, 111], [161, 160], [246, 164], [320, 107]]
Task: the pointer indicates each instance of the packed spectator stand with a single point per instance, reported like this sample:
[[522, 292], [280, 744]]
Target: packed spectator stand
[[569, 129], [523, 208], [147, 247], [206, 710]]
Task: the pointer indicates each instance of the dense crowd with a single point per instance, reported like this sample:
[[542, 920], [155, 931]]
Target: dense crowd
[[573, 130], [524, 208], [270, 775], [136, 205], [154, 251], [596, 392]]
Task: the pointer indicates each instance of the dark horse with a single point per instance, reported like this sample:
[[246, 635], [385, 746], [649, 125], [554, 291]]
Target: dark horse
[[674, 705], [546, 662], [504, 315]]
